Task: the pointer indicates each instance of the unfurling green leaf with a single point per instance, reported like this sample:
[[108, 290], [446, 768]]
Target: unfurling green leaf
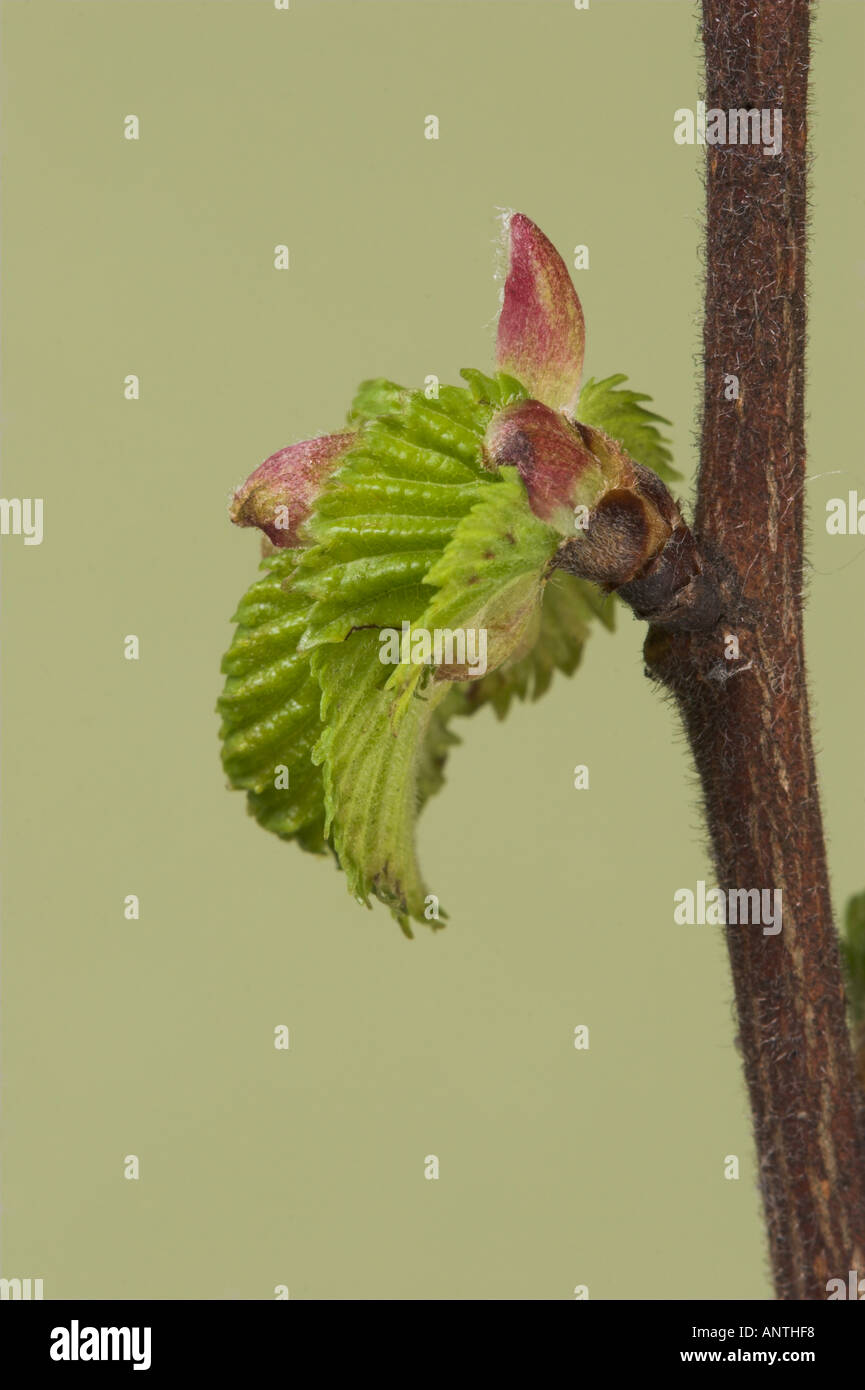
[[415, 531], [270, 709], [489, 580], [567, 608], [373, 775], [619, 412], [418, 574]]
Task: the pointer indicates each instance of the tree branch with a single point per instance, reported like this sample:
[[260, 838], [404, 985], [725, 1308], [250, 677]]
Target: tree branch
[[747, 716]]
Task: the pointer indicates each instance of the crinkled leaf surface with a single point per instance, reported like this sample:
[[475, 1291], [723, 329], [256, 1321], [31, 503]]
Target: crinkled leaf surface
[[489, 577], [373, 774], [567, 609], [619, 412], [270, 708], [415, 526]]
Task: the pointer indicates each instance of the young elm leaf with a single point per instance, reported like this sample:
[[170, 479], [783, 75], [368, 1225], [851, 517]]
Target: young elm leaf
[[374, 777], [443, 511], [488, 580], [619, 412], [269, 708], [568, 607], [384, 517]]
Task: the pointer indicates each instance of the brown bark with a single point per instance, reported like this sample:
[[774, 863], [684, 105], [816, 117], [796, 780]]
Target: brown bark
[[747, 717]]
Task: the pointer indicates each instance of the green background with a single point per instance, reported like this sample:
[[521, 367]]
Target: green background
[[306, 1168]]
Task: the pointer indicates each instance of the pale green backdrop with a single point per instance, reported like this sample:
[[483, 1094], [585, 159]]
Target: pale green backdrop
[[155, 1038]]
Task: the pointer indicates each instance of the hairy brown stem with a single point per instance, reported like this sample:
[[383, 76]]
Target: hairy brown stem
[[740, 686]]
